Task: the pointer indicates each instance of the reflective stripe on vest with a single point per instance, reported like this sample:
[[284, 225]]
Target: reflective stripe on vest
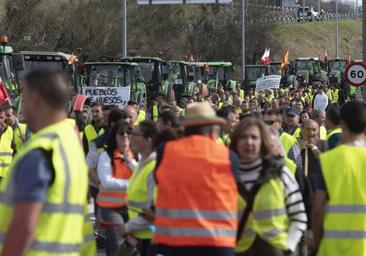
[[195, 232], [51, 247], [59, 227], [115, 198], [345, 217], [333, 132], [195, 214], [205, 176]]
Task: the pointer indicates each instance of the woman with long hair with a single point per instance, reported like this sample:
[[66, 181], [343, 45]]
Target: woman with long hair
[[271, 210], [115, 167]]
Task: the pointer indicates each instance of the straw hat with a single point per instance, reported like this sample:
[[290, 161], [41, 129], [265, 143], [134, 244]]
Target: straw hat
[[201, 113]]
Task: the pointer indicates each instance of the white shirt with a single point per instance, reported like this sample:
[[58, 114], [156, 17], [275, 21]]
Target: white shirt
[[106, 178], [93, 156], [320, 101]]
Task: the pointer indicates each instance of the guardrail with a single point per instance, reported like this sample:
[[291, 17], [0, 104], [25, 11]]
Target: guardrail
[[286, 19]]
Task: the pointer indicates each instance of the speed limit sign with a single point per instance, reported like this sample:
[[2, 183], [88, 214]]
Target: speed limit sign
[[356, 73]]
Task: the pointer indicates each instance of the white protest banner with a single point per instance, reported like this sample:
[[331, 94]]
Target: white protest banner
[[118, 96], [268, 82]]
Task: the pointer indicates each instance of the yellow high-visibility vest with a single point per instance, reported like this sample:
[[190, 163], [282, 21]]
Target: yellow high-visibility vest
[[343, 169], [59, 230]]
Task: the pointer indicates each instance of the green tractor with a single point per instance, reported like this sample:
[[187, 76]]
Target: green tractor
[[252, 74], [190, 79], [27, 61], [115, 74], [287, 78], [154, 72], [219, 73], [183, 75], [308, 71], [336, 70], [6, 68]]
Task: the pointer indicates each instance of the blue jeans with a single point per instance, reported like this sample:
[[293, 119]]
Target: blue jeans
[[115, 216]]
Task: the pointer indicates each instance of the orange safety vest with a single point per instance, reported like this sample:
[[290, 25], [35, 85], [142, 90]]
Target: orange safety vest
[[115, 198], [197, 196]]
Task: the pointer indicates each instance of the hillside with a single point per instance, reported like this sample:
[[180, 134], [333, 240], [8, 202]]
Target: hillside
[[305, 40]]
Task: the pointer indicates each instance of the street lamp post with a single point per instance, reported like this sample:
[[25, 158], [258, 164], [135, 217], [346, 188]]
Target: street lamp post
[[124, 28], [243, 39], [337, 29]]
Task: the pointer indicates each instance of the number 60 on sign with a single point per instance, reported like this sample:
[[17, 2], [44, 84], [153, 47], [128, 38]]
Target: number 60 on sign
[[356, 73]]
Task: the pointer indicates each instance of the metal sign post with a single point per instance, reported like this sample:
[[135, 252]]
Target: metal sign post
[[243, 40], [337, 29], [124, 28]]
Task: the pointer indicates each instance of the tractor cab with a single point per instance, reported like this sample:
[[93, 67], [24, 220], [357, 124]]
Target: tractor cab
[[154, 72], [336, 68], [107, 74], [219, 74], [287, 78], [252, 74], [308, 70], [6, 67], [27, 61], [115, 74]]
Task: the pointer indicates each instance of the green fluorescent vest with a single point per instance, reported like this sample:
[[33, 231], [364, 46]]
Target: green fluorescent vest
[[333, 132], [19, 131], [287, 141], [344, 226], [268, 218], [137, 194], [6, 152], [91, 134], [60, 227]]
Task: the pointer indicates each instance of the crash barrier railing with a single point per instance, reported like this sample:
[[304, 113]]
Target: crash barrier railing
[[287, 19]]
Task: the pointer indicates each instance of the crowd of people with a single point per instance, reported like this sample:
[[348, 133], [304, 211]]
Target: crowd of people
[[240, 173]]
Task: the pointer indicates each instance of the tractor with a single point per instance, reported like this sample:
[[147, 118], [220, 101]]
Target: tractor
[[154, 72], [336, 68], [287, 78], [27, 61], [219, 73], [115, 74], [6, 68], [308, 71], [252, 74]]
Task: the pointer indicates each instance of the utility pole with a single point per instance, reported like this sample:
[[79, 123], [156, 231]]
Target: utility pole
[[124, 28], [243, 39], [319, 5], [303, 11], [337, 29]]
